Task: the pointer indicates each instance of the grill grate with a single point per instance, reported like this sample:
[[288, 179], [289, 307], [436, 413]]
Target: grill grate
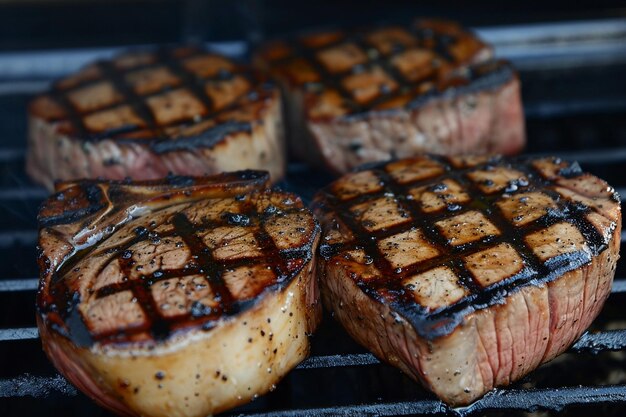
[[590, 373]]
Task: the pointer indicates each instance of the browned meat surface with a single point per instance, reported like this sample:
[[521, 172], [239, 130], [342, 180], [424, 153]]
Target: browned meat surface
[[145, 114], [467, 272], [395, 91], [180, 297]]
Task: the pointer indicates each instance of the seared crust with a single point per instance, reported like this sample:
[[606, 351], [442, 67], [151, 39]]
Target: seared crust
[[467, 273], [146, 113], [394, 91], [182, 278]]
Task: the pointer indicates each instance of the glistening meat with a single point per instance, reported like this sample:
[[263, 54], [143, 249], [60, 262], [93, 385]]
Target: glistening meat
[[468, 272], [391, 92], [144, 114], [180, 297]]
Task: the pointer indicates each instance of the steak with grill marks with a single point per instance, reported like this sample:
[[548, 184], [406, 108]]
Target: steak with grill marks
[[467, 272], [144, 114], [392, 92], [180, 297]]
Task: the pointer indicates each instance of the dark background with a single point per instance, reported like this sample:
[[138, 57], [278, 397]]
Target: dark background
[[37, 24]]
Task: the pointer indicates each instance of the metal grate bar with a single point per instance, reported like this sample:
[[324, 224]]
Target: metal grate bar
[[11, 285], [424, 407], [512, 399], [588, 343], [600, 156], [24, 193], [10, 238], [619, 285], [11, 154], [599, 342], [333, 361], [528, 399], [554, 399], [21, 333], [35, 386]]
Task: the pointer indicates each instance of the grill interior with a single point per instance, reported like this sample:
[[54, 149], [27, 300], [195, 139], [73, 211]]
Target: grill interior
[[575, 100]]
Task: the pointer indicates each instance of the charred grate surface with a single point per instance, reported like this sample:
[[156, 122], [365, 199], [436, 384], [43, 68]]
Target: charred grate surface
[[182, 264], [385, 68], [157, 97], [453, 214]]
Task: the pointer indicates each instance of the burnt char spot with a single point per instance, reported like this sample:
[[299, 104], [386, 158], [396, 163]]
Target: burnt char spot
[[71, 205], [200, 310], [484, 222], [236, 219], [207, 139]]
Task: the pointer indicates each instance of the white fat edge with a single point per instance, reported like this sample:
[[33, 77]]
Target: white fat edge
[[132, 213]]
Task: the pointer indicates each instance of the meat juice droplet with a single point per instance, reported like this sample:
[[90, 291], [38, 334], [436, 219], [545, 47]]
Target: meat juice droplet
[[439, 187], [236, 219]]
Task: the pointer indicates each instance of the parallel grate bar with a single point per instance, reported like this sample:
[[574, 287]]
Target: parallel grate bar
[[11, 154], [332, 361], [619, 285], [599, 342], [35, 386], [24, 193], [10, 238], [11, 285], [588, 343], [527, 399], [404, 408], [601, 156], [21, 333], [512, 399], [554, 399]]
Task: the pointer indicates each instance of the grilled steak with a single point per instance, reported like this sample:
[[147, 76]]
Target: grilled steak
[[466, 272], [145, 114], [393, 92], [181, 297]]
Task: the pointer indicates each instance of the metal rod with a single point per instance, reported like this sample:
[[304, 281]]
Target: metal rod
[[20, 333], [510, 399], [619, 285], [35, 386], [600, 342], [333, 361], [11, 154], [10, 238], [26, 284], [23, 193], [553, 399]]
